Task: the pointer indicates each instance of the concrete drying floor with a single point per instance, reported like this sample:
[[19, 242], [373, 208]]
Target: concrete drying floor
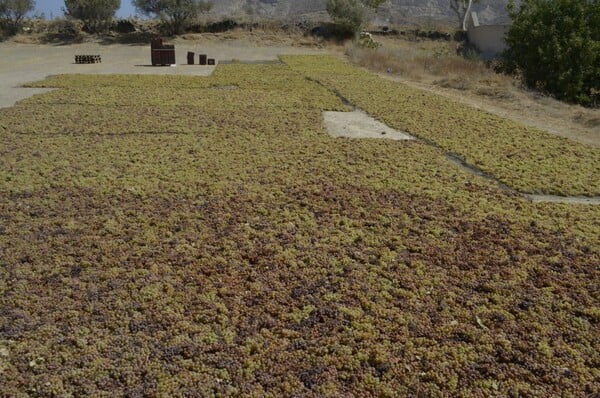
[[22, 63], [357, 124]]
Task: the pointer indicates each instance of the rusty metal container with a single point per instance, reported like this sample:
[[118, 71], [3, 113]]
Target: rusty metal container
[[162, 54], [163, 57], [156, 43]]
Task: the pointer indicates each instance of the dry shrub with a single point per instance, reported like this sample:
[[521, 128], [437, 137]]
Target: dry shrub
[[419, 63], [48, 31], [495, 92], [382, 60], [588, 118], [437, 63], [64, 30], [445, 65], [497, 86], [455, 82]]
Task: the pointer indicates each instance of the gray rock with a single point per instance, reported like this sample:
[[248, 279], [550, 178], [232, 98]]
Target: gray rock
[[391, 12]]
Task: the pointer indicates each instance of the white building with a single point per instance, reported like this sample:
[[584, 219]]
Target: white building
[[487, 38]]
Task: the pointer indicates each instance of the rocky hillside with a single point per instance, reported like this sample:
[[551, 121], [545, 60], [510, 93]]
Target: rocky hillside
[[392, 11]]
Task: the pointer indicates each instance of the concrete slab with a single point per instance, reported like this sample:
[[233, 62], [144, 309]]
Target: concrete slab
[[23, 63], [358, 124], [573, 200]]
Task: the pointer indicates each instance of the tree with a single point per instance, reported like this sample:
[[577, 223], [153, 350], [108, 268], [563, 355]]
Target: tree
[[95, 14], [176, 14], [555, 46], [462, 9], [351, 15], [12, 13]]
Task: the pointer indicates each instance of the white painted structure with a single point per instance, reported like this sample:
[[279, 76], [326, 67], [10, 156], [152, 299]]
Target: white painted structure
[[488, 39]]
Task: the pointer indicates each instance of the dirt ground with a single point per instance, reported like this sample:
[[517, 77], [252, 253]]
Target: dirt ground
[[358, 124]]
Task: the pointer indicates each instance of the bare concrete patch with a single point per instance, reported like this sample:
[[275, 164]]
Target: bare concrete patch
[[358, 124], [12, 95], [23, 63], [574, 200]]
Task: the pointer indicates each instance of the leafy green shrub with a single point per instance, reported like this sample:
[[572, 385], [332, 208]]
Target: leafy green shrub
[[351, 15], [176, 14], [221, 26], [96, 15], [12, 13], [124, 26], [555, 45], [330, 30]]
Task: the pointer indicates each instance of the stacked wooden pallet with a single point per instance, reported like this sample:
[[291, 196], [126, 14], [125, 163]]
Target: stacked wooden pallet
[[88, 59]]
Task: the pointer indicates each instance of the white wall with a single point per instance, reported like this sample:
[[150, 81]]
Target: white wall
[[489, 39]]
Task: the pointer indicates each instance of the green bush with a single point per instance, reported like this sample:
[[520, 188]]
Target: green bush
[[351, 15], [555, 46], [63, 30], [175, 14], [96, 15], [12, 13]]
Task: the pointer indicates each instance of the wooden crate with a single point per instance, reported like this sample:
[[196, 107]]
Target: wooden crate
[[162, 54], [163, 57]]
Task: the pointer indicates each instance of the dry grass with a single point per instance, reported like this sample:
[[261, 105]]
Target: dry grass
[[587, 118], [432, 62], [409, 58], [434, 66]]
